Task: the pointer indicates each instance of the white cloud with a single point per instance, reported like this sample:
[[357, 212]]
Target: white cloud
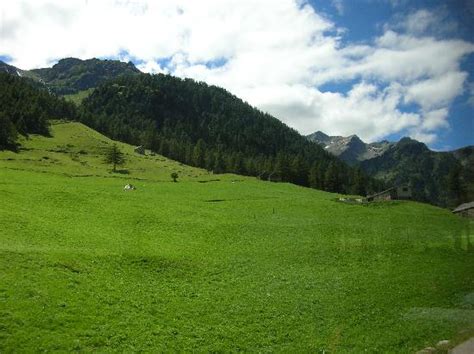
[[365, 110], [424, 137], [435, 119], [437, 91], [339, 6], [277, 55], [422, 21], [151, 67]]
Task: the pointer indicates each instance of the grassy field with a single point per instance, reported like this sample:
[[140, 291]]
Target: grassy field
[[215, 262]]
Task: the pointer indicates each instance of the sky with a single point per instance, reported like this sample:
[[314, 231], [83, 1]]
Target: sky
[[381, 69]]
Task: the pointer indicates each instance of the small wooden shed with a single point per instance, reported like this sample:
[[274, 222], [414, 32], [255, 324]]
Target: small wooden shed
[[466, 210], [140, 150], [394, 193]]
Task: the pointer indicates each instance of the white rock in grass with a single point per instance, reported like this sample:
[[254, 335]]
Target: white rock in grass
[[442, 344]]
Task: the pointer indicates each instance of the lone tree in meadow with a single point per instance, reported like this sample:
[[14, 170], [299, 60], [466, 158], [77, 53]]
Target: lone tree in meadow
[[174, 176], [114, 156]]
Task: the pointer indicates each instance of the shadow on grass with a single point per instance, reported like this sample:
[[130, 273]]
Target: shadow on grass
[[122, 172]]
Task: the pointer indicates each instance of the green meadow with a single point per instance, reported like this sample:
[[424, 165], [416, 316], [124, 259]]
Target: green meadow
[[215, 262]]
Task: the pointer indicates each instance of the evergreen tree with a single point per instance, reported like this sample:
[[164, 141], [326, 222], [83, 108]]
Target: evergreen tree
[[114, 156], [359, 182], [218, 163], [174, 177], [8, 134], [331, 178], [282, 168], [199, 153], [299, 171], [455, 187], [163, 150], [316, 177]]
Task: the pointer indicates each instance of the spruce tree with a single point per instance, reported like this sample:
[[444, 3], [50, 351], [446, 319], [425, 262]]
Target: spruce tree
[[314, 177], [114, 156], [455, 187], [199, 153], [359, 182], [331, 178], [8, 134]]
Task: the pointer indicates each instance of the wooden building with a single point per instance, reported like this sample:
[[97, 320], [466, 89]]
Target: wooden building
[[140, 150], [394, 193], [466, 210]]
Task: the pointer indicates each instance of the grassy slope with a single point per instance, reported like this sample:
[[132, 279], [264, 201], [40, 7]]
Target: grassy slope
[[78, 97], [76, 150], [229, 264]]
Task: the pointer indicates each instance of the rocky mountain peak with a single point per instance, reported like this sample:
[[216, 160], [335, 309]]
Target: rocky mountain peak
[[351, 149]]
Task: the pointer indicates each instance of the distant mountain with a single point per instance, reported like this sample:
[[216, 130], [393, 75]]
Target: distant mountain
[[441, 178], [10, 69], [72, 75], [13, 70], [465, 156], [350, 149]]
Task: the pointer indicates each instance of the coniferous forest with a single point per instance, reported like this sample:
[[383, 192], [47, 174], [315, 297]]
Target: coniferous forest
[[26, 107], [206, 126]]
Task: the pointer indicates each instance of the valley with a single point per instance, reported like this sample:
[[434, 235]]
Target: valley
[[215, 262], [249, 176]]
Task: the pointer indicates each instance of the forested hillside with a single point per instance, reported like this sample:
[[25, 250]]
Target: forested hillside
[[208, 127], [435, 177], [26, 107]]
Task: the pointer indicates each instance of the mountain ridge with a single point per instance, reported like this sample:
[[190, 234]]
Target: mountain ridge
[[330, 143], [72, 75], [351, 149]]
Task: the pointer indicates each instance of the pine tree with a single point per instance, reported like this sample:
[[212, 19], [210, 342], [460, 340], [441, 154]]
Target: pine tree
[[218, 163], [455, 187], [199, 153], [174, 176], [282, 168], [299, 171], [8, 134], [331, 178], [114, 156], [359, 182], [315, 177]]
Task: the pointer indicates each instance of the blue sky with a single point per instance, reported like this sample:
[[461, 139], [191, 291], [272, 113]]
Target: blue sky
[[380, 69], [364, 21]]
